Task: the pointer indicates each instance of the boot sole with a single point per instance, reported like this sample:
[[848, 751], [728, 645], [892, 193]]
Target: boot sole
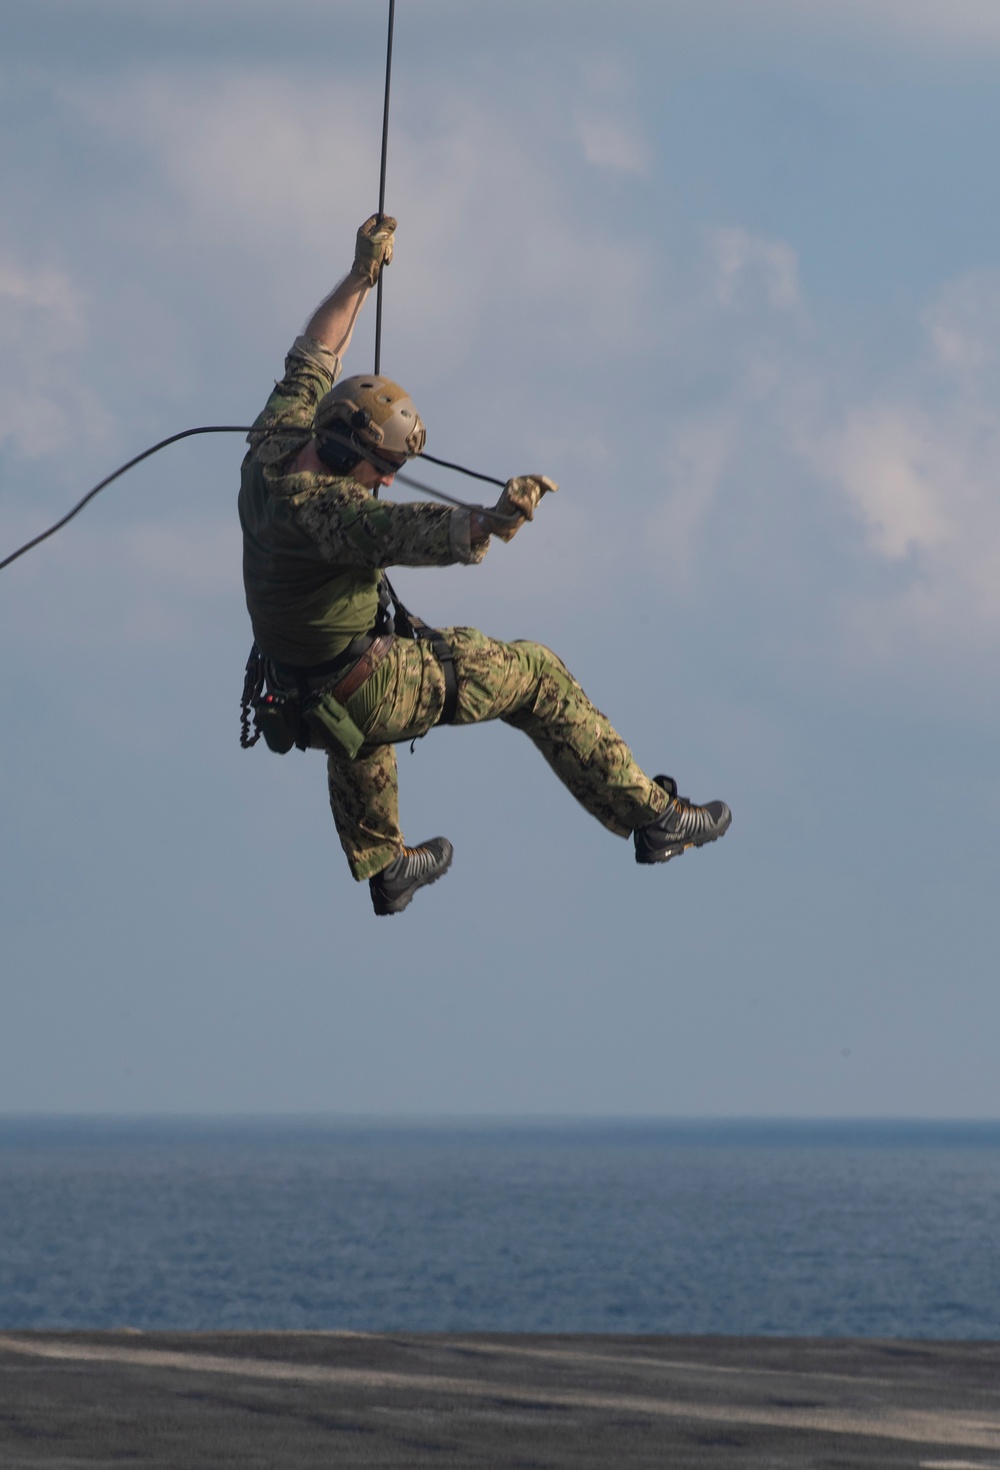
[[385, 907]]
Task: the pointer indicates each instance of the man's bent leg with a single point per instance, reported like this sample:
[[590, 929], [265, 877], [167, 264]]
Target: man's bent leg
[[403, 699], [364, 799], [527, 686]]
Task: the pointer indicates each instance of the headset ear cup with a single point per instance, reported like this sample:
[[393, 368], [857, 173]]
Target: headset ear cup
[[337, 451]]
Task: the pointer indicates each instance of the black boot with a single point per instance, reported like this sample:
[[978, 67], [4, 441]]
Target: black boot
[[681, 826], [392, 889]]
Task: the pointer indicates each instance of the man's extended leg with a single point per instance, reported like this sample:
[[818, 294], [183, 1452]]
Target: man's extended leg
[[527, 686], [593, 762]]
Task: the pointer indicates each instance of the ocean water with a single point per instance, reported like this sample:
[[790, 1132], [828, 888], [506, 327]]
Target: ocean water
[[885, 1230]]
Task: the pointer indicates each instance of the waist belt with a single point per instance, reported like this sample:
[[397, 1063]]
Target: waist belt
[[320, 698], [361, 657], [284, 717], [364, 668], [301, 674]]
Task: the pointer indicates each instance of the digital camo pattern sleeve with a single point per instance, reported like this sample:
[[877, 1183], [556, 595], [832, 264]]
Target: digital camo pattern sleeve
[[310, 371], [351, 528]]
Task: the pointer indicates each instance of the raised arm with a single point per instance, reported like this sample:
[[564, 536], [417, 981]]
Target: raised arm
[[332, 323]]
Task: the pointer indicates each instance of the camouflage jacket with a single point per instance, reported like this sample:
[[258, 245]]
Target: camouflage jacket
[[314, 545]]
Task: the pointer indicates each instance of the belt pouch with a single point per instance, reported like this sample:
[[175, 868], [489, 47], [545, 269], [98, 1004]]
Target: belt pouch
[[277, 719], [333, 718]]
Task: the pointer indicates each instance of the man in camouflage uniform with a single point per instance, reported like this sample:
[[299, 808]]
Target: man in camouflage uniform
[[316, 539]]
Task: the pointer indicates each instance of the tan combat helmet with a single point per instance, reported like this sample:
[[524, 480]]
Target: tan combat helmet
[[367, 417]]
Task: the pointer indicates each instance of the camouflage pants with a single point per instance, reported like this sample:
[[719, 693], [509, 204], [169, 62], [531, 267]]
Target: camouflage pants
[[522, 684]]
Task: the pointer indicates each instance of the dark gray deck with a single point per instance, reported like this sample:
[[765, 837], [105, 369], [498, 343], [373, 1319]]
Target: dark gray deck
[[182, 1401]]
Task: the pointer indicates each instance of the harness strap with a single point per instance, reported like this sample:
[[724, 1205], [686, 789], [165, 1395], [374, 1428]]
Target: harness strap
[[445, 655], [408, 625]]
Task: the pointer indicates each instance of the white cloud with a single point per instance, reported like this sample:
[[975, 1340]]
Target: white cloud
[[695, 458], [152, 585], [612, 141], [49, 290], [748, 265], [931, 21], [960, 24], [920, 464], [44, 406], [891, 467], [258, 165], [249, 152], [964, 323], [912, 454]]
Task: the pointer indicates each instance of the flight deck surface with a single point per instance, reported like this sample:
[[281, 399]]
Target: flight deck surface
[[303, 1400]]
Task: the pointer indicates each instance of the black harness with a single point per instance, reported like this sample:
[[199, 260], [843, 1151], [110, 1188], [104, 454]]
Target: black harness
[[400, 622], [408, 625]]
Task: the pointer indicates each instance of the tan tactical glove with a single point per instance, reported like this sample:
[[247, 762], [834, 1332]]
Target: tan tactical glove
[[373, 248], [519, 497]]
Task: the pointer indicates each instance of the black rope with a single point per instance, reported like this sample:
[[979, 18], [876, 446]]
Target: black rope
[[473, 474], [381, 184], [387, 467], [493, 515], [285, 431], [184, 434]]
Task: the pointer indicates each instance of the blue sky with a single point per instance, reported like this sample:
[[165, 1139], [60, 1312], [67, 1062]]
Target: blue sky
[[731, 273]]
